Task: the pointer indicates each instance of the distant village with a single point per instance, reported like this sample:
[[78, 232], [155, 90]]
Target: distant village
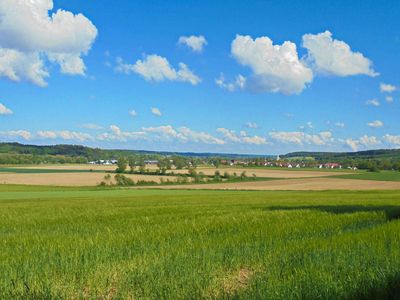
[[279, 163], [248, 162]]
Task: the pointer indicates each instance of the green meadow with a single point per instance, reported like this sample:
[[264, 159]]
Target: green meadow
[[150, 244]]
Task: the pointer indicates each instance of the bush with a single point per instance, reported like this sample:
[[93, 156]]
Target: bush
[[122, 180], [107, 180], [144, 182], [198, 179], [217, 175], [227, 175], [192, 172], [182, 179], [122, 165]]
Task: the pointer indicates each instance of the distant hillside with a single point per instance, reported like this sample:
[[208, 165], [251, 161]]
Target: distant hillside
[[369, 154], [96, 153]]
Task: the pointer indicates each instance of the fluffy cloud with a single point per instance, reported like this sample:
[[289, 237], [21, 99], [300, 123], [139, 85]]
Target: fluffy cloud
[[196, 43], [387, 88], [72, 135], [115, 129], [340, 124], [373, 102], [276, 68], [133, 113], [301, 138], [251, 125], [157, 68], [5, 110], [121, 136], [183, 134], [389, 99], [238, 84], [199, 137], [243, 138], [392, 139], [64, 135], [375, 124], [165, 131], [155, 111], [46, 134], [29, 35], [363, 142], [333, 57], [308, 125], [12, 134]]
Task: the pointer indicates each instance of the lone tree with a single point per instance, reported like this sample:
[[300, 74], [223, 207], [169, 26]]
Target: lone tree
[[121, 165], [142, 166], [132, 164], [164, 165]]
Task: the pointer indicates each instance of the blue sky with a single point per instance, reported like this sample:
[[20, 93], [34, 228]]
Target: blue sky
[[261, 77]]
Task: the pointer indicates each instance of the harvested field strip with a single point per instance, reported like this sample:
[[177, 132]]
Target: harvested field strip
[[306, 184], [265, 172], [69, 178]]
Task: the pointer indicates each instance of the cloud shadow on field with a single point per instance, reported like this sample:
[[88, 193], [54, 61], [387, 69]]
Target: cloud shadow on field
[[392, 212]]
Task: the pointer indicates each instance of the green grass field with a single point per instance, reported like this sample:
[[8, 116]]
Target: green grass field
[[379, 176], [119, 244]]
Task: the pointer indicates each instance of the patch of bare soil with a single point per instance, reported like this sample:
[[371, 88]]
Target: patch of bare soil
[[237, 281]]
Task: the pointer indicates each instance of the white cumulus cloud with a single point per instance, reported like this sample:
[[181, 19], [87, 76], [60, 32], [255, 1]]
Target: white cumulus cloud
[[375, 124], [29, 35], [251, 125], [275, 68], [46, 134], [199, 136], [5, 110], [392, 139], [242, 137], [238, 84], [333, 57], [155, 111], [389, 99], [301, 138], [387, 88], [133, 113], [364, 142], [64, 135], [373, 102], [196, 43], [182, 134], [117, 134], [12, 134], [157, 68]]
